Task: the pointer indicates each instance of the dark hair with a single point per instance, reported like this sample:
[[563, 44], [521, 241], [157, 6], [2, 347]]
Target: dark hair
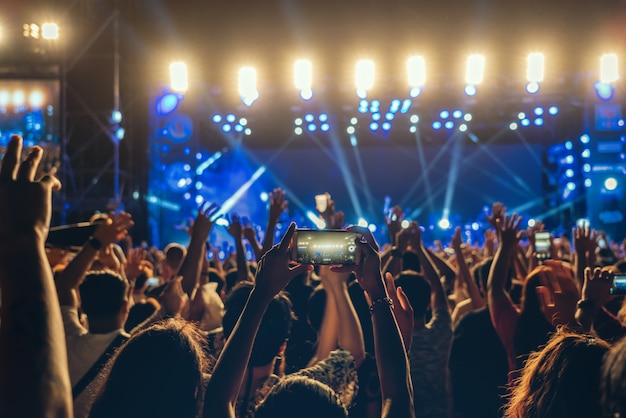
[[417, 289], [156, 373], [102, 293], [410, 261], [316, 306], [303, 397], [275, 325], [561, 380], [613, 381]]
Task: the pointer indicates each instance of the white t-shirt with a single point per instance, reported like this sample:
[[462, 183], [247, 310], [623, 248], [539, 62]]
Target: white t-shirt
[[83, 347]]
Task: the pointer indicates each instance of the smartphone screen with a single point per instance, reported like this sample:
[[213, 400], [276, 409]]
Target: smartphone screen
[[325, 246], [619, 285], [542, 244]]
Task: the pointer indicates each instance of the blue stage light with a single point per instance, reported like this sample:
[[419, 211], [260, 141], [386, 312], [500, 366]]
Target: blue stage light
[[217, 118], [386, 126], [444, 114], [395, 105], [406, 105], [415, 92], [584, 139], [457, 114], [569, 173], [364, 103], [525, 122], [323, 117], [569, 145], [538, 111], [226, 128], [362, 109], [532, 87], [470, 90], [311, 127], [449, 124], [389, 116], [238, 128], [538, 122], [374, 126], [167, 104], [309, 117], [230, 118], [376, 116], [325, 127], [436, 125], [553, 110], [604, 90]]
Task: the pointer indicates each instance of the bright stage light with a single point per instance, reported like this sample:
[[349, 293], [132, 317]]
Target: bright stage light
[[247, 85], [531, 223], [116, 115], [309, 117], [535, 67], [525, 122], [513, 126], [364, 77], [608, 68], [376, 116], [227, 128], [354, 121], [444, 114], [470, 90], [413, 129], [475, 70], [230, 118], [587, 168], [362, 222], [610, 184], [243, 121], [416, 70], [389, 116], [467, 117], [415, 92], [386, 126], [405, 224], [532, 87], [217, 118], [521, 115], [18, 98], [36, 99], [462, 127], [372, 228], [323, 117], [374, 126], [303, 75], [414, 119], [475, 226], [406, 105], [588, 183], [571, 186], [553, 110], [264, 196], [604, 90], [179, 78], [247, 132], [449, 124], [298, 130], [436, 125], [325, 127], [568, 145], [319, 222], [444, 223], [353, 140], [49, 31], [457, 114], [5, 98], [538, 111], [120, 133], [311, 127], [350, 130], [586, 153], [538, 122], [569, 173]]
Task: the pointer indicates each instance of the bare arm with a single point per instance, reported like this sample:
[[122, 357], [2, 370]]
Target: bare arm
[[278, 204], [236, 231], [464, 272], [34, 381]]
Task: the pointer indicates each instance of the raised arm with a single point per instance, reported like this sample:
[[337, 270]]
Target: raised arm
[[199, 233], [278, 204], [438, 296], [236, 231], [108, 232], [585, 244], [249, 234], [34, 381], [391, 357], [273, 275], [464, 273]]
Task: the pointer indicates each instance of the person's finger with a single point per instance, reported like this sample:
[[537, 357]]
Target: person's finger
[[403, 299], [52, 182], [391, 286], [545, 296], [28, 167], [366, 234], [346, 268], [286, 241], [11, 158], [298, 269]]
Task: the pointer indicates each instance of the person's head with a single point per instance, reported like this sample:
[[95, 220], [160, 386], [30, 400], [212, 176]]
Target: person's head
[[156, 373], [613, 381], [104, 295], [417, 290], [303, 397], [275, 325], [561, 380], [174, 256]]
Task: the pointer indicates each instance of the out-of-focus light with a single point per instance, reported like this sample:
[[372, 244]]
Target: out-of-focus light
[[553, 110], [610, 184], [217, 118], [513, 126], [230, 118], [323, 117], [475, 226], [462, 127], [609, 68], [298, 130], [475, 70], [532, 87], [444, 223], [364, 77], [247, 131], [227, 128], [449, 124], [372, 228], [436, 125], [406, 105], [413, 129], [444, 114], [325, 127], [309, 117], [389, 116], [416, 70], [319, 222], [350, 130], [116, 115], [199, 185], [376, 116], [570, 186], [405, 224], [50, 31], [569, 159], [298, 121], [311, 127], [18, 98], [531, 223], [362, 222], [584, 139], [457, 114], [586, 153], [538, 122], [354, 121], [415, 92], [238, 128], [373, 126], [119, 133], [467, 117], [36, 99], [414, 119], [470, 90], [604, 90], [588, 183], [303, 75], [353, 140], [525, 122], [264, 197], [179, 78], [386, 126], [569, 145], [306, 94], [587, 168], [243, 121], [538, 111], [521, 115], [5, 98], [569, 173], [167, 104], [247, 85], [534, 68]]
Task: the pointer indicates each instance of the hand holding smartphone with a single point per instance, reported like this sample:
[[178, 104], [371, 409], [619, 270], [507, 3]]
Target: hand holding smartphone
[[542, 245], [324, 247]]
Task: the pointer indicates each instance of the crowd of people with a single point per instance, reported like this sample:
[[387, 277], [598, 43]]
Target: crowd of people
[[447, 330]]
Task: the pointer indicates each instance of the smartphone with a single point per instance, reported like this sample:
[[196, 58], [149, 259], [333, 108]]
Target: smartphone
[[619, 285], [329, 246], [542, 244], [153, 281]]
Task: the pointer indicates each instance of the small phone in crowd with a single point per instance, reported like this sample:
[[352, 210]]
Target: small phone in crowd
[[542, 245], [619, 285], [324, 247]]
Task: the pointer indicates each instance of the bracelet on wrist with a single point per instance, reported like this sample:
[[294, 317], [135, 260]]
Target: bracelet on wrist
[[585, 304], [95, 243], [380, 302]]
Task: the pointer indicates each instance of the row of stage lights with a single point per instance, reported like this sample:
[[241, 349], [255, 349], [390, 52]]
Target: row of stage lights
[[416, 77]]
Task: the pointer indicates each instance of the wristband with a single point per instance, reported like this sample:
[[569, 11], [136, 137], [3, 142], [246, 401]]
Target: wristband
[[380, 302], [585, 304], [95, 243]]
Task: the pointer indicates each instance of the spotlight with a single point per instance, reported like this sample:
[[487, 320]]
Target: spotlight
[[386, 126], [513, 126], [413, 129], [569, 173], [230, 118], [247, 85], [264, 197], [389, 116], [325, 127], [553, 110], [436, 125], [415, 92], [414, 119], [470, 90], [405, 224], [467, 117], [306, 94], [521, 115], [449, 124], [119, 133], [247, 131], [586, 153], [587, 168], [538, 122], [416, 69], [462, 127], [532, 87], [538, 111], [475, 70], [323, 117], [354, 121], [49, 31], [457, 114], [569, 145], [525, 122], [610, 184], [374, 126], [298, 121], [364, 77], [376, 116], [303, 78], [406, 105], [444, 114], [475, 226], [116, 115], [238, 128], [608, 68], [372, 228], [588, 183], [584, 139], [179, 79], [444, 223], [350, 130], [571, 186], [243, 121], [309, 117], [35, 99], [604, 90], [298, 130], [217, 118], [226, 128], [531, 223], [311, 127]]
